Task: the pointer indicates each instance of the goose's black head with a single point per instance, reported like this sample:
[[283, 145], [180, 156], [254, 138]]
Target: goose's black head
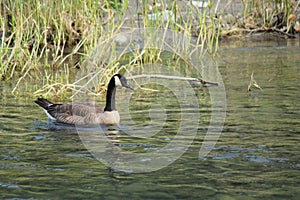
[[116, 81], [121, 81]]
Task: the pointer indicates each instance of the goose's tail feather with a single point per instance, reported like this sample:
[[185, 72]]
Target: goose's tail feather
[[44, 103]]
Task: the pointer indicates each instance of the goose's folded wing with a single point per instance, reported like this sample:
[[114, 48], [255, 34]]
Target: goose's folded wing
[[88, 119], [78, 109], [84, 109]]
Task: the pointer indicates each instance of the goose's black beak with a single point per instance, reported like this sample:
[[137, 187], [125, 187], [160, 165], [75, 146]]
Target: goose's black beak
[[127, 85]]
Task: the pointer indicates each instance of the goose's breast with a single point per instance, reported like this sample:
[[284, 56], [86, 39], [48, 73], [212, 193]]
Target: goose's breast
[[109, 117]]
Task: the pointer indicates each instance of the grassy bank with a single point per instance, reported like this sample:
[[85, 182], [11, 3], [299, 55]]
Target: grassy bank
[[47, 41], [279, 16]]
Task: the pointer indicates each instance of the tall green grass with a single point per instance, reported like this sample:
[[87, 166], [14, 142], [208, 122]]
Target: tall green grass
[[40, 37], [270, 13]]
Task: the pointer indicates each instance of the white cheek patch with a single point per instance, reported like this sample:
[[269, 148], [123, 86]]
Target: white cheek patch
[[118, 82]]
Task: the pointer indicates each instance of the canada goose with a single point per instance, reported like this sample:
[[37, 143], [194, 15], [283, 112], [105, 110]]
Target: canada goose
[[87, 113]]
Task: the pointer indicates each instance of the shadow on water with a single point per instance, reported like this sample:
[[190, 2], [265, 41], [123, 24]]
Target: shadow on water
[[256, 157]]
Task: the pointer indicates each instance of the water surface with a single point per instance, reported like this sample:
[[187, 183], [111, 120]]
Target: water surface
[[256, 156]]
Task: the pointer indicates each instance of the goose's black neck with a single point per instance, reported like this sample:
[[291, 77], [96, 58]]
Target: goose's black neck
[[110, 96]]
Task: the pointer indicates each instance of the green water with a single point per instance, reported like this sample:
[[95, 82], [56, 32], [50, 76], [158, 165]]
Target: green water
[[256, 156]]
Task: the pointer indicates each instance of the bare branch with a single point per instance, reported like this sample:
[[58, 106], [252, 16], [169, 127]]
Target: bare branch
[[191, 80]]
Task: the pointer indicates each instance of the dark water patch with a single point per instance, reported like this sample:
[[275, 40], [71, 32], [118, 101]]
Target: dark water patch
[[39, 137], [9, 186], [261, 154]]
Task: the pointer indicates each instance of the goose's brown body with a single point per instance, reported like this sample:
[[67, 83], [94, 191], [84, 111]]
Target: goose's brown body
[[86, 113]]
